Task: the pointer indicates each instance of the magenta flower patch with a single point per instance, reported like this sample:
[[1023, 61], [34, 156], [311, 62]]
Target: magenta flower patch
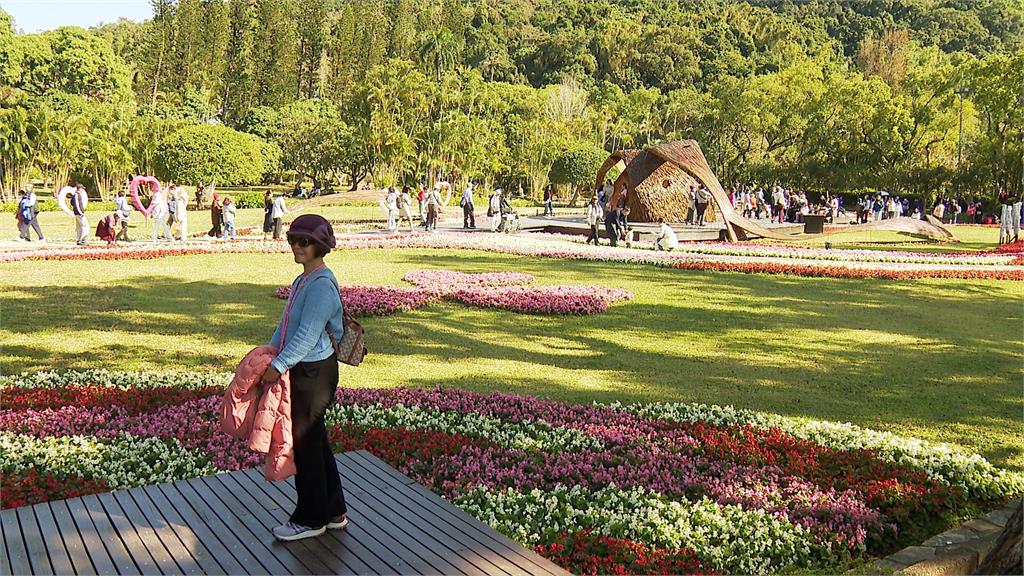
[[506, 290]]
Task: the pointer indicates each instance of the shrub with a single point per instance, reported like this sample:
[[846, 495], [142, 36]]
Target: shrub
[[205, 153]]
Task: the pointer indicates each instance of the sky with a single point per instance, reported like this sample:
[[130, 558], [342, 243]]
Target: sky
[[40, 15]]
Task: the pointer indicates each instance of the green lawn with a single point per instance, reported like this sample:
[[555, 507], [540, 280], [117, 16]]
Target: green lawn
[[971, 239], [59, 226], [937, 359]]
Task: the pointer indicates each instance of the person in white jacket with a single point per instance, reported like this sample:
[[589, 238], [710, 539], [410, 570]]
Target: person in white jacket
[[666, 238], [180, 199], [391, 207], [158, 212], [405, 206], [277, 213], [594, 214]]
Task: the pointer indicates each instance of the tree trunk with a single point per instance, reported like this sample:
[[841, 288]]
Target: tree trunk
[[1005, 555], [575, 197]]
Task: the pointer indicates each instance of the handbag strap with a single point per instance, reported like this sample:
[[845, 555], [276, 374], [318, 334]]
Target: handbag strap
[[291, 300], [344, 316]]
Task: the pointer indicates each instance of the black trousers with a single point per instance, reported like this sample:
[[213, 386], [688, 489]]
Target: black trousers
[[317, 483], [593, 234], [468, 218], [613, 232], [701, 209]]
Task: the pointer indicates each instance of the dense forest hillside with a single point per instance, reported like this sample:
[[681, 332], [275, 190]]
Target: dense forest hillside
[[822, 94]]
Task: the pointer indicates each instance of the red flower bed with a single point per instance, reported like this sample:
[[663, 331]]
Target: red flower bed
[[406, 450], [900, 492], [844, 272], [1011, 248], [587, 553], [90, 396], [31, 487]]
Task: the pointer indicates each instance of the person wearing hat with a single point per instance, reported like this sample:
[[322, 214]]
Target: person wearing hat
[[307, 354]]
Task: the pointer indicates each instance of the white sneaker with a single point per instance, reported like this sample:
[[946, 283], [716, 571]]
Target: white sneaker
[[291, 531], [338, 522]]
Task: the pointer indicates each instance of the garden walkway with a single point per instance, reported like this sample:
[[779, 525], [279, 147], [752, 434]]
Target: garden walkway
[[221, 524]]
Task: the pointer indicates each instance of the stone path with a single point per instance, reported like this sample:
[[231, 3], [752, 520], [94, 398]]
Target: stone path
[[956, 551]]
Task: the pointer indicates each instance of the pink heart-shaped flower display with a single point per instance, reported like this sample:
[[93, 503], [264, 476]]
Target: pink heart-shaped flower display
[[133, 189]]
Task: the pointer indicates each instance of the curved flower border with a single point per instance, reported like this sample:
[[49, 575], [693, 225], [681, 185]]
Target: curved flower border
[[859, 264], [710, 488]]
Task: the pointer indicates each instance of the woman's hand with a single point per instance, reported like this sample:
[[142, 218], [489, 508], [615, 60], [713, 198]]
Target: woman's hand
[[270, 376]]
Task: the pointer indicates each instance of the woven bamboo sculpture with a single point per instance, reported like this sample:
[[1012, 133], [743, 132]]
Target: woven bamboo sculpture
[[655, 182]]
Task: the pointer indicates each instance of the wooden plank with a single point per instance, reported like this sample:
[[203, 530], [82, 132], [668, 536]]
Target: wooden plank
[[5, 559], [164, 561], [72, 539], [37, 555], [425, 528], [93, 545], [252, 543], [394, 555], [261, 522], [129, 537], [381, 526], [217, 526], [501, 544], [186, 534], [51, 537], [14, 544], [465, 541], [511, 556], [343, 543], [108, 535], [175, 546], [248, 491], [220, 550]]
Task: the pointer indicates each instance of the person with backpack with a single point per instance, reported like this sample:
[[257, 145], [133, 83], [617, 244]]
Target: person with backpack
[[494, 209], [312, 318], [24, 216], [79, 202], [703, 199], [433, 202], [123, 209], [468, 218], [33, 223]]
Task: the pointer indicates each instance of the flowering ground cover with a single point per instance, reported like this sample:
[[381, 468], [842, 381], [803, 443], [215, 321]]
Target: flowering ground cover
[[751, 259], [598, 488], [930, 358], [505, 290]]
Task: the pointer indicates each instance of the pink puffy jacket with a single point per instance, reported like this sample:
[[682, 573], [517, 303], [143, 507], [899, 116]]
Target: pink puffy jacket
[[265, 420]]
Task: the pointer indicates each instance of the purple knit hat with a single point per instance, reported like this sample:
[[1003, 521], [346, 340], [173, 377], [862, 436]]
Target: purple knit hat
[[315, 227]]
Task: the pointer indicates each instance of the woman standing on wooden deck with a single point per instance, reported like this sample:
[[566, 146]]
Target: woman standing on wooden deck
[[307, 353]]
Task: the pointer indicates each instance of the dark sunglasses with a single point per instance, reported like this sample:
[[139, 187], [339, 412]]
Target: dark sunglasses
[[300, 240]]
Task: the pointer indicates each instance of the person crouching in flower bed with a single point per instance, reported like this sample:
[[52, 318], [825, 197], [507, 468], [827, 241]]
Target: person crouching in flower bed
[[107, 227], [307, 353]]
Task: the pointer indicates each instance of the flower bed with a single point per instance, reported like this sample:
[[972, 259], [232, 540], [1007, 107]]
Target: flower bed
[[506, 290], [643, 488], [375, 300], [749, 259]]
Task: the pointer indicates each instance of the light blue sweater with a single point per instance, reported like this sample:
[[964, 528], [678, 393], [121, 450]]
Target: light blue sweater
[[316, 306]]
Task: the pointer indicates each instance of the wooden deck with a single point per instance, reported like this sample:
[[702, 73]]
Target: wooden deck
[[221, 525]]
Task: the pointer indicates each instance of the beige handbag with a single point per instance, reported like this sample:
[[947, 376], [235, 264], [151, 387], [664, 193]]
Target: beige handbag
[[351, 348]]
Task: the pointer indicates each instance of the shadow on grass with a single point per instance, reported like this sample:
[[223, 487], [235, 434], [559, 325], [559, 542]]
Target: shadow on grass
[[940, 355]]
